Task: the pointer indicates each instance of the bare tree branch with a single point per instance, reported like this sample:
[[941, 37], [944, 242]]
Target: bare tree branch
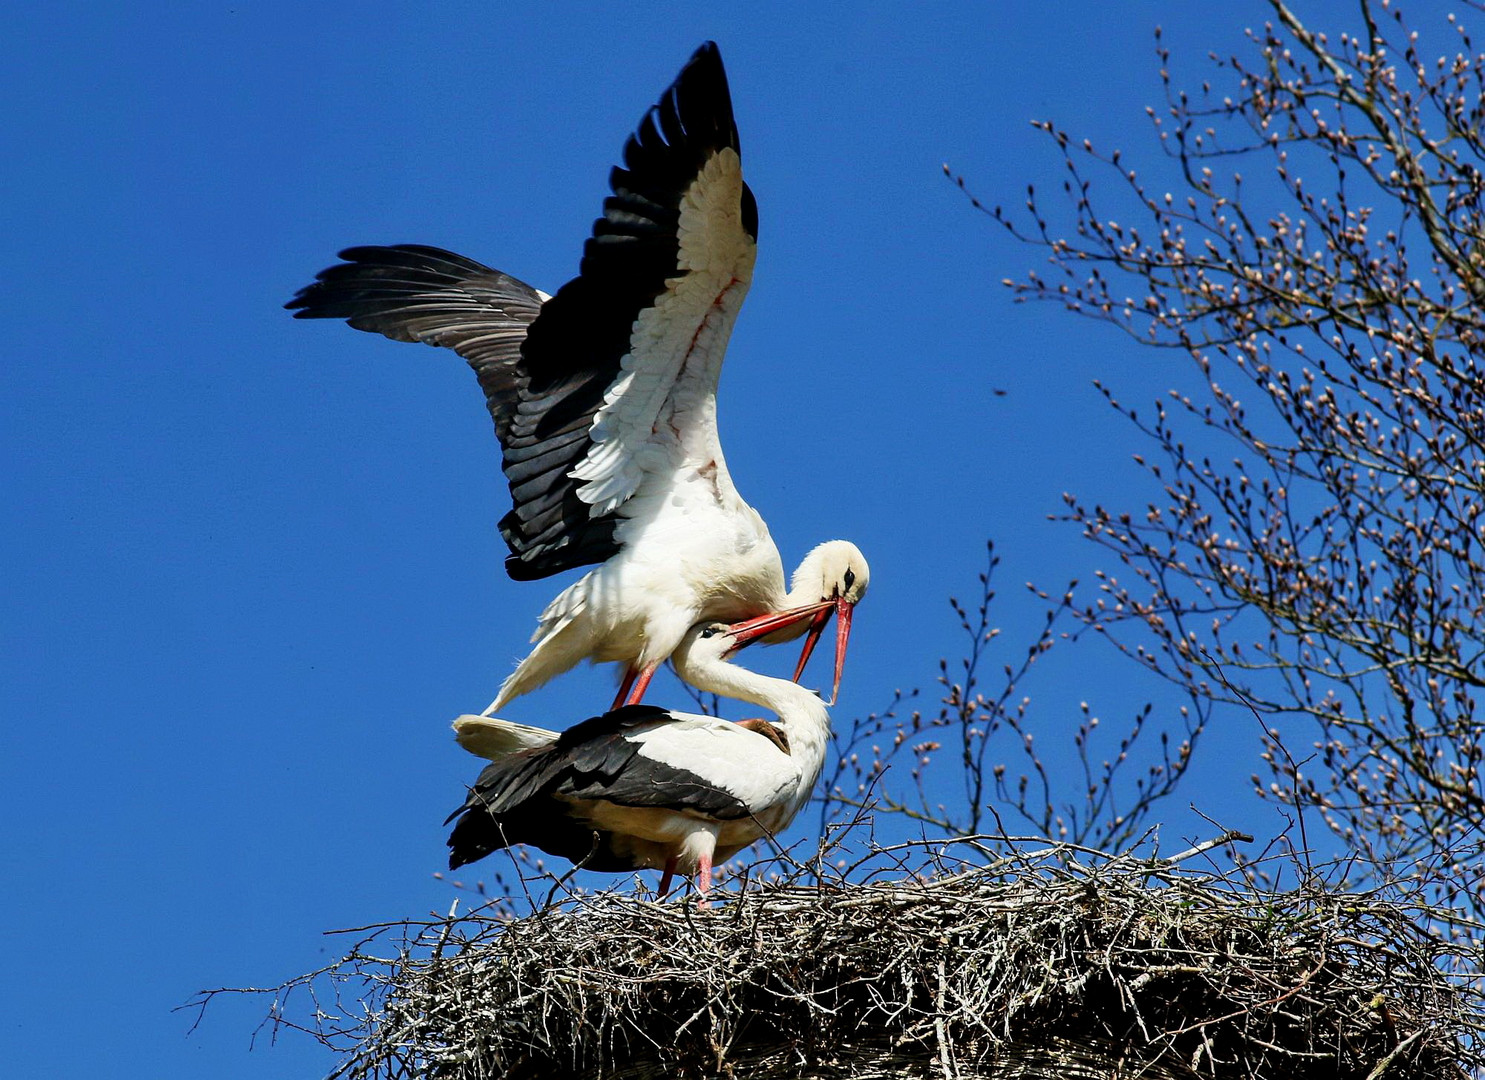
[[1326, 545]]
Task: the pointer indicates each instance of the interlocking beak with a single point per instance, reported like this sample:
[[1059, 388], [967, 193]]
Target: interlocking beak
[[748, 631], [843, 609]]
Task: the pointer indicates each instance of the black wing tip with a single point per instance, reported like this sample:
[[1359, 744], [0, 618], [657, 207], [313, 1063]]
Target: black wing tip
[[308, 302], [706, 53], [462, 855], [694, 111], [367, 265], [305, 303], [701, 91], [397, 253], [475, 834]]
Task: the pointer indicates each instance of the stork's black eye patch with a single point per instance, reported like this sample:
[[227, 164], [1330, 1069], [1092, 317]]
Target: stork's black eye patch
[[850, 578]]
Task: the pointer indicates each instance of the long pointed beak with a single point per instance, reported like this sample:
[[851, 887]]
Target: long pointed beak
[[750, 630], [843, 609], [812, 637]]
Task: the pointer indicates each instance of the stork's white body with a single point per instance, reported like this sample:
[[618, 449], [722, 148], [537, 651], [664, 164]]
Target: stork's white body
[[690, 548], [604, 397], [773, 785], [662, 790], [686, 559]]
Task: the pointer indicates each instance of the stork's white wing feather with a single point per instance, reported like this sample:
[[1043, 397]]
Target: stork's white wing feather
[[664, 398], [721, 754]]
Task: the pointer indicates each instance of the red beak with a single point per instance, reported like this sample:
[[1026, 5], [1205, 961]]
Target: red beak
[[842, 609], [750, 630], [812, 637]]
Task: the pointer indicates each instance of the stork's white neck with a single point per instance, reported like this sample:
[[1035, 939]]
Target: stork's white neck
[[801, 712]]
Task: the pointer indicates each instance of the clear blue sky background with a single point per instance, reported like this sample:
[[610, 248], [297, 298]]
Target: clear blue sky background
[[251, 569]]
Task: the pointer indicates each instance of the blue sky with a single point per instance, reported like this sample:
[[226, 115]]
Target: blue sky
[[253, 570]]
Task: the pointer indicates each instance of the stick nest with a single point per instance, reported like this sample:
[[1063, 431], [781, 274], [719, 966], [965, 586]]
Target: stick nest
[[1055, 963]]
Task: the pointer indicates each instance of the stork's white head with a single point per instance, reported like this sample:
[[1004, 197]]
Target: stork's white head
[[835, 573], [705, 644], [702, 656], [709, 643], [835, 570]]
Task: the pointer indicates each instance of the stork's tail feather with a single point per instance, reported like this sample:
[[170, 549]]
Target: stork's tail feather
[[494, 739]]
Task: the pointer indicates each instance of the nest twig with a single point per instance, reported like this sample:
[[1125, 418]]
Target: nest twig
[[991, 961]]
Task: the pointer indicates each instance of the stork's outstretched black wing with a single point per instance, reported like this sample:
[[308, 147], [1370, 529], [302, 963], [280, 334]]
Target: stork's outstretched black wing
[[577, 385]]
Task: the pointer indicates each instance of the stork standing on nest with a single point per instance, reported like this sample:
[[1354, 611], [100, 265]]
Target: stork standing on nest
[[604, 401], [645, 787]]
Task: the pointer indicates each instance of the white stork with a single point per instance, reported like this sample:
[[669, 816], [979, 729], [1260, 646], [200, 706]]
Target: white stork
[[645, 787], [604, 401]]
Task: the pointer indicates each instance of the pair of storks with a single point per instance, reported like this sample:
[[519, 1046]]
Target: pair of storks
[[604, 402]]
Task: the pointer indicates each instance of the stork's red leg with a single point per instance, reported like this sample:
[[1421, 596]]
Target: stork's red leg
[[629, 675], [704, 879], [665, 878], [641, 683]]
